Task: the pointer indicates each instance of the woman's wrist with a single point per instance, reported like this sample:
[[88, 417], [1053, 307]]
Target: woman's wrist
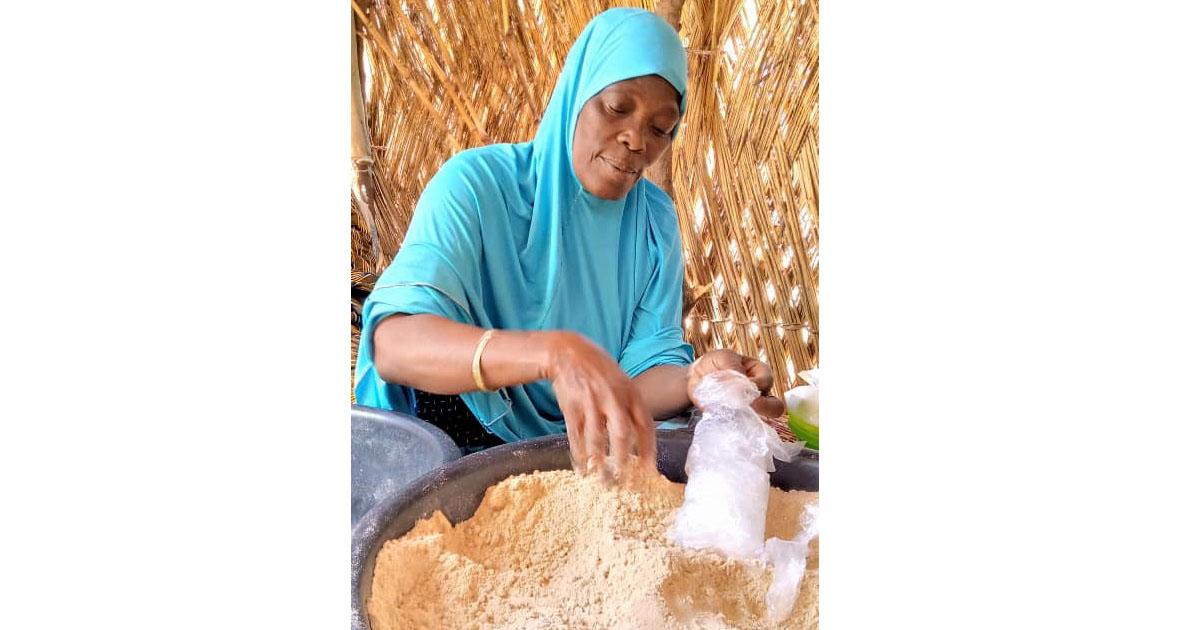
[[515, 357], [550, 351]]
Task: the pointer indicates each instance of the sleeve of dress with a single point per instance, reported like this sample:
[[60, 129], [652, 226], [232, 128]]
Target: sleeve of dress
[[436, 270], [656, 336]]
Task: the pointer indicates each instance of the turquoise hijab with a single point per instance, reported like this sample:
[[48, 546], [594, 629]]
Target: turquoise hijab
[[505, 236]]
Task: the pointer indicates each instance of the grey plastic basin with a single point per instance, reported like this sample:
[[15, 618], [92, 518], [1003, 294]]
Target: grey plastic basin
[[388, 451]]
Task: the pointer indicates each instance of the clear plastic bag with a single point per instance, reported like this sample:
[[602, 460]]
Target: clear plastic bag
[[789, 558], [732, 452]]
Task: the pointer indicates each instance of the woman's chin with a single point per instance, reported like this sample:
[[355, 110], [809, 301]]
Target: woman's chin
[[612, 191]]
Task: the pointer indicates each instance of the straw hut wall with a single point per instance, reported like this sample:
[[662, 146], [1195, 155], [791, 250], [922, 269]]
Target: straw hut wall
[[441, 76]]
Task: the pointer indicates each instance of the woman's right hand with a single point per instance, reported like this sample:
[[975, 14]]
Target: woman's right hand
[[599, 403]]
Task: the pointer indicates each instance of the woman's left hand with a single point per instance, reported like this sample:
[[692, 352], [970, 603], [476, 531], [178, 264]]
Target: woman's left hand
[[758, 372]]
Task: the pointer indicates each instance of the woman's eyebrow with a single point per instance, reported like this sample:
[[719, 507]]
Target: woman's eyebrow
[[622, 92], [668, 110]]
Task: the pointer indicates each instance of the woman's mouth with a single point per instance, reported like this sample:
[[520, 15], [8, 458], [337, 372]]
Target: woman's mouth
[[619, 168]]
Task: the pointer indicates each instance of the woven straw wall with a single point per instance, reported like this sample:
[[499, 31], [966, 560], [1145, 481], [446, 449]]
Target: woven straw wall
[[440, 76]]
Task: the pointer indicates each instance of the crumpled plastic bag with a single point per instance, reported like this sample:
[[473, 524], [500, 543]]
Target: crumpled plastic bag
[[733, 450], [789, 558]]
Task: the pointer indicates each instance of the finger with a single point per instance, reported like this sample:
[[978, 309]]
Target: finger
[[759, 373], [574, 422], [620, 435], [646, 440], [596, 439], [769, 407], [619, 426]]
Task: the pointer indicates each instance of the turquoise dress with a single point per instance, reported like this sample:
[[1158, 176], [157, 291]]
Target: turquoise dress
[[504, 236]]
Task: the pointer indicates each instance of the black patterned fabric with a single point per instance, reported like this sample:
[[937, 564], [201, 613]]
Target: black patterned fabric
[[450, 414]]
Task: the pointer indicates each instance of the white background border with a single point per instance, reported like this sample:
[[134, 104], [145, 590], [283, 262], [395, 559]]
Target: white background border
[[1008, 315]]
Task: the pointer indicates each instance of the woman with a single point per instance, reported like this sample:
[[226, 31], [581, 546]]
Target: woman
[[539, 286]]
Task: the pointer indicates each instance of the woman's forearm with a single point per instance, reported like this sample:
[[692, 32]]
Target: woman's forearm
[[664, 390], [434, 354]]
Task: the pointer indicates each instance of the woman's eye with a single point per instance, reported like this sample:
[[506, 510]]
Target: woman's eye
[[615, 110], [659, 131]]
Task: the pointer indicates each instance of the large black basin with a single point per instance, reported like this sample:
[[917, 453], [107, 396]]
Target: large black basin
[[457, 488]]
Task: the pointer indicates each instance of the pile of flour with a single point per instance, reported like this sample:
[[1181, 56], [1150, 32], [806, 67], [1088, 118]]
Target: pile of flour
[[553, 550]]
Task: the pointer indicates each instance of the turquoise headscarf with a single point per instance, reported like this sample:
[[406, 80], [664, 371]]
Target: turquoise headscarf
[[505, 236]]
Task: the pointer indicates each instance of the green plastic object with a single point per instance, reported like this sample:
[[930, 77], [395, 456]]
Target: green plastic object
[[804, 431]]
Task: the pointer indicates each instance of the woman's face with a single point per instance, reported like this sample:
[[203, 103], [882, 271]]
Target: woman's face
[[621, 132]]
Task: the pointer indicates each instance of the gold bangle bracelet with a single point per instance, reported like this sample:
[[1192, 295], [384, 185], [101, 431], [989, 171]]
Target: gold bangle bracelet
[[487, 336]]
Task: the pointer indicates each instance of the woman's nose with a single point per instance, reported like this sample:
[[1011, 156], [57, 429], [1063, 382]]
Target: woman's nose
[[632, 140]]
